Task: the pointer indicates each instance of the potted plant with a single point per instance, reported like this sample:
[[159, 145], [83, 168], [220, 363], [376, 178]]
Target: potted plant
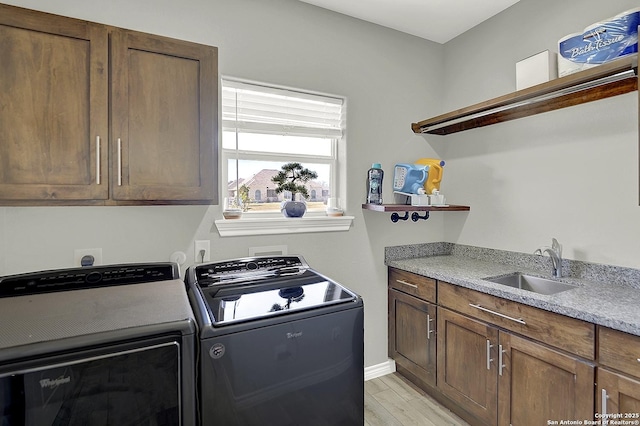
[[292, 178]]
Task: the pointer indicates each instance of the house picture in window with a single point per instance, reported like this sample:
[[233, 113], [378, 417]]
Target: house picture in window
[[262, 189]]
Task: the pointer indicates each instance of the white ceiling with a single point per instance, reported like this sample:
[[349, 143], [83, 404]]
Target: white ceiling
[[435, 20]]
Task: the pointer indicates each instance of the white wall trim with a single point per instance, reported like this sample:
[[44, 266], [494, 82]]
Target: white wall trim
[[282, 225], [379, 370]]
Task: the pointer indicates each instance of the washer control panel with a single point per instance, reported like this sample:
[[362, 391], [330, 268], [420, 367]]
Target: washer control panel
[[249, 266], [89, 277]]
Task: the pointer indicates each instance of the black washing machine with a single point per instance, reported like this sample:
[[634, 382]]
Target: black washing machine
[[105, 345], [280, 344]]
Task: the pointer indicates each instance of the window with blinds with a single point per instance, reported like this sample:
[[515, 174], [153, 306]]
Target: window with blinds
[[264, 127]]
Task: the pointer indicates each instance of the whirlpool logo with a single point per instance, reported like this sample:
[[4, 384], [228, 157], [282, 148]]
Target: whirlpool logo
[[54, 383]]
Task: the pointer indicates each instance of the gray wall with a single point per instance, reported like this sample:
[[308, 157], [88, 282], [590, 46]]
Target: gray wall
[[387, 78], [570, 174]]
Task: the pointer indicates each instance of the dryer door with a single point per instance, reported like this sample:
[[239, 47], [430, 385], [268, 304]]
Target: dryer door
[[119, 385]]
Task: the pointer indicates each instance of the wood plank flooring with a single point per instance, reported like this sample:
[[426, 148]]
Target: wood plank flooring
[[392, 400]]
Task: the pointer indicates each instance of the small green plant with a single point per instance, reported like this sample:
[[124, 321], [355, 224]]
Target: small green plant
[[292, 178], [243, 191]]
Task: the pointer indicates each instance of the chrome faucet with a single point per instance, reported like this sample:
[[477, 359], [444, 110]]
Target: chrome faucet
[[555, 253]]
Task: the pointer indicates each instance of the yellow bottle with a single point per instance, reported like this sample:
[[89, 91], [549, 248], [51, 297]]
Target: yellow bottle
[[435, 173]]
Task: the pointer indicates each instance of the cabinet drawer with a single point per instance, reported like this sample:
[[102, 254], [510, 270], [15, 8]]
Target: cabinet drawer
[[416, 285], [566, 333], [619, 350]]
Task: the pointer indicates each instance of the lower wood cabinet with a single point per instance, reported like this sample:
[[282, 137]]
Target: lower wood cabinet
[[618, 394], [503, 372], [501, 378], [537, 384], [618, 385], [466, 364], [412, 335]]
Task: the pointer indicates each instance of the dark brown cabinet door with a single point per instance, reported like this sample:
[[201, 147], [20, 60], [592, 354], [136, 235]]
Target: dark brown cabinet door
[[53, 103], [412, 335], [164, 115], [538, 384], [467, 364], [621, 395]]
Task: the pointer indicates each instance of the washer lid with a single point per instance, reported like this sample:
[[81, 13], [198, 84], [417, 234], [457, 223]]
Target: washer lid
[[232, 303]]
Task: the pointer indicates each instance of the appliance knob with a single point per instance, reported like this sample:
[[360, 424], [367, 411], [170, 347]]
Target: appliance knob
[[93, 277]]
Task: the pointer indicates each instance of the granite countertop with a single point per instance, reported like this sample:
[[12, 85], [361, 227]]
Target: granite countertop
[[604, 295]]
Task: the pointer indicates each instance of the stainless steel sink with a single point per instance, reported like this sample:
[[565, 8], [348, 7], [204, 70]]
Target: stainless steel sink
[[531, 283]]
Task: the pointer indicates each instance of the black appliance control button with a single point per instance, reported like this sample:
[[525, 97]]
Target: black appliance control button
[[93, 277]]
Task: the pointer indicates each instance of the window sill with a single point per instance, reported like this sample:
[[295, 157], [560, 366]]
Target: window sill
[[282, 225]]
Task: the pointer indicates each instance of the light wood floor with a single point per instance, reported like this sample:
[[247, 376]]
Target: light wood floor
[[392, 400]]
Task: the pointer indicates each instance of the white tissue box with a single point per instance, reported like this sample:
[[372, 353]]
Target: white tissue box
[[536, 69]]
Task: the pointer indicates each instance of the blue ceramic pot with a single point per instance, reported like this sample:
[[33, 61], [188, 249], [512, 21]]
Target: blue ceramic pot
[[293, 208]]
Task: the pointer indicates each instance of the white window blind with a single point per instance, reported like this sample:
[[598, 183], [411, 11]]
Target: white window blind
[[250, 108]]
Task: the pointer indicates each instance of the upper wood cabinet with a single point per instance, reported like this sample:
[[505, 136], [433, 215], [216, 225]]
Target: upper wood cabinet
[[163, 109], [53, 107], [93, 114]]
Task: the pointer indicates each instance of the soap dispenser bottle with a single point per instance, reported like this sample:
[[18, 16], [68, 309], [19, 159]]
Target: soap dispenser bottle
[[374, 184]]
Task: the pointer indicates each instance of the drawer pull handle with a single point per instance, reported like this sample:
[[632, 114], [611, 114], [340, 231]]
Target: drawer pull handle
[[518, 320], [489, 359], [429, 330], [119, 162], [97, 160], [406, 283]]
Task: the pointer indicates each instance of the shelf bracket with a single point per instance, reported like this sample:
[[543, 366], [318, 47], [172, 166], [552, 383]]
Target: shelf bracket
[[415, 216], [396, 217]]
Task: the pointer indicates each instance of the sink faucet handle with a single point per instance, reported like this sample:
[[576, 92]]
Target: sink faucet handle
[[557, 247], [540, 251]]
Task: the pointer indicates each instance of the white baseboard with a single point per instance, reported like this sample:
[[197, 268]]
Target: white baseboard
[[379, 370]]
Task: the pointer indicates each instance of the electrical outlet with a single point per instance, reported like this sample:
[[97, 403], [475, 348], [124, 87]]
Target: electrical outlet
[[78, 254], [202, 245]]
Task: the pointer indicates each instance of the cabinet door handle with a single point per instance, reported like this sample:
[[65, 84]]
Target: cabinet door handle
[[429, 330], [489, 359], [603, 403], [119, 162], [407, 283], [500, 364], [97, 160], [518, 320]]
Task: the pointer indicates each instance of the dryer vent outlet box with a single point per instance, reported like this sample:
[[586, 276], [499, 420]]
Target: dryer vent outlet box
[[87, 254]]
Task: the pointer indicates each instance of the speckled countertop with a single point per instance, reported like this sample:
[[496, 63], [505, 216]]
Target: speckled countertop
[[604, 295]]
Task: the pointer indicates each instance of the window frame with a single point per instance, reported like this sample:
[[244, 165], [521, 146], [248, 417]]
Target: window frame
[[336, 187]]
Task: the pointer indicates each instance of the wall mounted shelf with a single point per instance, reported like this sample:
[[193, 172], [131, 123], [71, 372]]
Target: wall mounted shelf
[[415, 216], [611, 79]]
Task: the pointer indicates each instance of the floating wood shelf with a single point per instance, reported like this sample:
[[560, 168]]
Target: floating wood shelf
[[408, 208], [415, 216], [611, 79]]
